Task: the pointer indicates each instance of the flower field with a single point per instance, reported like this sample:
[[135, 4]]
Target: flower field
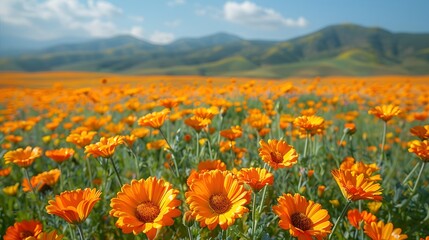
[[90, 156]]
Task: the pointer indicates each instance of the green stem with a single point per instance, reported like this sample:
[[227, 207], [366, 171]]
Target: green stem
[[341, 141], [136, 160], [339, 219], [116, 171], [88, 166], [172, 152], [197, 134], [418, 177], [61, 177], [189, 233], [254, 216], [409, 174], [262, 200], [306, 146], [79, 229], [383, 142]]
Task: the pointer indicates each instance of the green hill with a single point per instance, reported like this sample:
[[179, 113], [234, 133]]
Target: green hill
[[336, 50]]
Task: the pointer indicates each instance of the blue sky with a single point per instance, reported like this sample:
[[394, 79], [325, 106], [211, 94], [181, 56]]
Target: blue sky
[[163, 21]]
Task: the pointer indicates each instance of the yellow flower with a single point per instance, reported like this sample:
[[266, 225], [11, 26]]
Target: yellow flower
[[385, 112], [11, 190], [421, 149]]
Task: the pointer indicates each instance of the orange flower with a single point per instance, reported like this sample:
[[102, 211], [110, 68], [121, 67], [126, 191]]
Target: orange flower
[[380, 231], [105, 147], [13, 138], [155, 119], [74, 206], [421, 149], [197, 123], [304, 219], [206, 113], [385, 112], [81, 139], [5, 171], [421, 132], [42, 181], [350, 128], [278, 154], [355, 217], [360, 167], [158, 144], [23, 157], [356, 186], [310, 124], [217, 198], [205, 166], [23, 230], [256, 178], [233, 133], [169, 102], [47, 236], [140, 132], [60, 155], [145, 206]]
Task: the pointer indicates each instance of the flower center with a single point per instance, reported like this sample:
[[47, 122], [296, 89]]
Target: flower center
[[25, 234], [219, 203], [301, 221], [147, 211], [276, 157]]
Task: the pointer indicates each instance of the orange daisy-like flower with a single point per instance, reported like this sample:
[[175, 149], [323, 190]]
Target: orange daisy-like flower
[[60, 155], [355, 217], [105, 147], [197, 123], [421, 149], [145, 206], [278, 154], [356, 186], [360, 167], [309, 123], [217, 198], [23, 230], [256, 178], [169, 102], [381, 231], [421, 132], [205, 166], [23, 157], [304, 219], [42, 181], [5, 171], [155, 119], [74, 206], [233, 133], [385, 112], [207, 113], [81, 139], [47, 236], [158, 144]]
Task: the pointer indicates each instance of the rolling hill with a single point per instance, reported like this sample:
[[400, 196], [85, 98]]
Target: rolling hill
[[336, 50]]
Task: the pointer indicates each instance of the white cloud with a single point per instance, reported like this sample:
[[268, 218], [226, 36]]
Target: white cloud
[[209, 11], [138, 19], [137, 32], [173, 3], [250, 14], [55, 18], [173, 24], [161, 37]]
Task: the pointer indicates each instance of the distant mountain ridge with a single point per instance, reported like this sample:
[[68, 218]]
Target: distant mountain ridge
[[345, 49]]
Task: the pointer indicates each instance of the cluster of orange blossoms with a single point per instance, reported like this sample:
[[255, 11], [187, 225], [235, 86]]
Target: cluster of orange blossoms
[[215, 196]]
